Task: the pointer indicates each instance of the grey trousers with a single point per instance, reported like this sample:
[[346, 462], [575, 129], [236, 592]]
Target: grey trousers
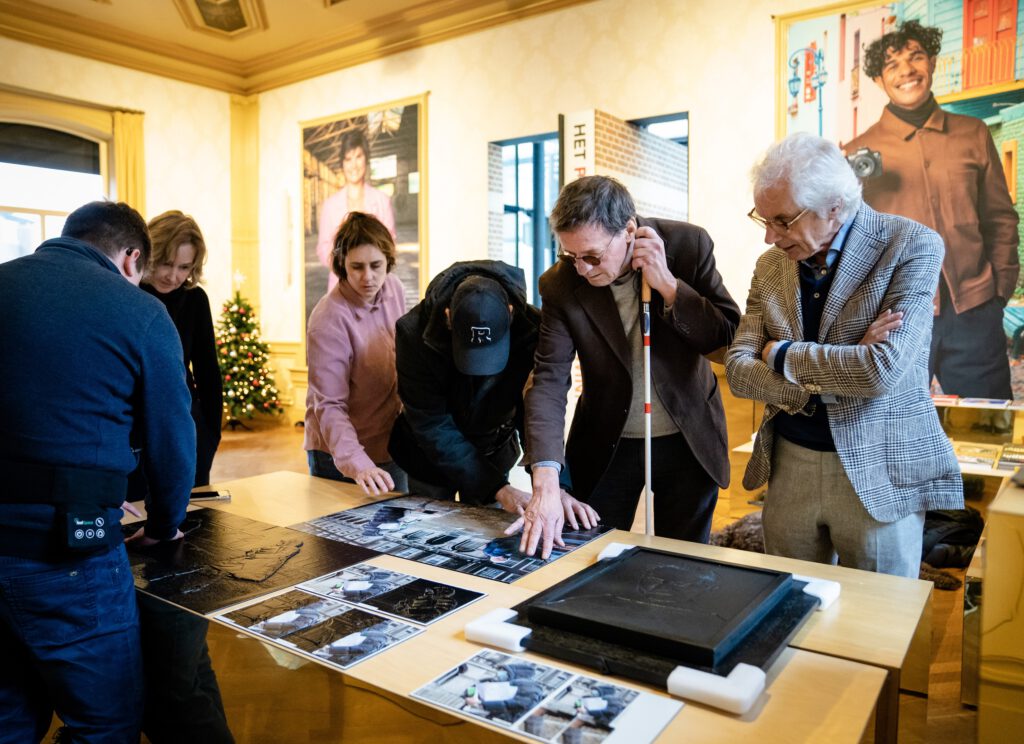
[[811, 512]]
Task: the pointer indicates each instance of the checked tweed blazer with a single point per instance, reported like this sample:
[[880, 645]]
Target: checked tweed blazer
[[884, 424]]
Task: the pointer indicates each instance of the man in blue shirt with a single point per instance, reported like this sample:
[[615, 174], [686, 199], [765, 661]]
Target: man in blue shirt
[[835, 342], [92, 371]]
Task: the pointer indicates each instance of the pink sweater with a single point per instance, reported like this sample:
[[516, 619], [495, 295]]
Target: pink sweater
[[352, 399]]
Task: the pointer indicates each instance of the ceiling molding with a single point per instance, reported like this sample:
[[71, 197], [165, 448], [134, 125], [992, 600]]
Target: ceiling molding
[[417, 26]]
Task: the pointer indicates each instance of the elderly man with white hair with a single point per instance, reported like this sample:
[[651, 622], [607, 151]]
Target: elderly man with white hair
[[835, 342]]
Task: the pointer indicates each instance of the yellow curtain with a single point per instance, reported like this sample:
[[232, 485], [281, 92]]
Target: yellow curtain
[[129, 159]]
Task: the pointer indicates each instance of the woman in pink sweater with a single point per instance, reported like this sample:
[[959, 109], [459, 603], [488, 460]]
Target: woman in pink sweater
[[352, 399]]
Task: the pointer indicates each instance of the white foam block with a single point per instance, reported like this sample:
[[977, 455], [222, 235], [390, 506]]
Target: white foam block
[[826, 591], [493, 629], [613, 550], [735, 693]]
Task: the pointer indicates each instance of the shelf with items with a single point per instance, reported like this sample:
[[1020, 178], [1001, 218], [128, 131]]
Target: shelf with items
[[987, 433]]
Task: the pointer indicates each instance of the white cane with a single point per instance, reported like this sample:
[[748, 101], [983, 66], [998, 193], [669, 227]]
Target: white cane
[[645, 305]]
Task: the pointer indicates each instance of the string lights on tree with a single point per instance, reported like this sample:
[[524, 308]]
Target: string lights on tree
[[248, 382]]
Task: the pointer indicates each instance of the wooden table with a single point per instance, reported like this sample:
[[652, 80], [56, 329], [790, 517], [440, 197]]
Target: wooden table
[[822, 688]]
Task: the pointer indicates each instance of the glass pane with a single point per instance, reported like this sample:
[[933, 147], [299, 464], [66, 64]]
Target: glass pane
[[53, 224], [20, 233], [29, 187], [551, 150], [509, 244], [525, 192], [526, 249], [675, 129], [508, 174]]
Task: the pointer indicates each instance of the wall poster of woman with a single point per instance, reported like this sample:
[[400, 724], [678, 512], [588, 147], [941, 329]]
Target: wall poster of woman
[[374, 161]]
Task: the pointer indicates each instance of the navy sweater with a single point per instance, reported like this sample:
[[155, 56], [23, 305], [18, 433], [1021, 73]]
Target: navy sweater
[[86, 359]]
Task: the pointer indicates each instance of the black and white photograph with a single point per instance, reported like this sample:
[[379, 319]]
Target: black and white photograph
[[350, 636], [357, 583], [495, 687], [268, 610], [334, 631], [588, 711], [423, 601], [459, 537]]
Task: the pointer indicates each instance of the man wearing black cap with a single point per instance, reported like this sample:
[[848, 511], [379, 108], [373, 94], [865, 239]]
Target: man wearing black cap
[[463, 356]]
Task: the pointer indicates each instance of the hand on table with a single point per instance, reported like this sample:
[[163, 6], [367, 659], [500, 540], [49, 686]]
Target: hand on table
[[139, 539], [547, 512], [512, 499], [578, 514], [375, 481]]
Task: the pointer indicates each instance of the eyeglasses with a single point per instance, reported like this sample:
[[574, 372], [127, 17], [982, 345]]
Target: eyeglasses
[[775, 224], [590, 259]]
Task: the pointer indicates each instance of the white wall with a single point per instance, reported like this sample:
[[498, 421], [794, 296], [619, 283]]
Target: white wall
[[631, 58], [187, 130]]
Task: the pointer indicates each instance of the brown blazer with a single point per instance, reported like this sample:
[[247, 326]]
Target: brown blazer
[[579, 318], [948, 177]]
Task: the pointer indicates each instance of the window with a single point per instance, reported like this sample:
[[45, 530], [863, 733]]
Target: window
[[674, 127], [44, 175], [1009, 152], [529, 189]]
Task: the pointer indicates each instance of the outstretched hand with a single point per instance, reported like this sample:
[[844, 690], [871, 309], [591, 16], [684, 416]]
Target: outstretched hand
[[547, 513]]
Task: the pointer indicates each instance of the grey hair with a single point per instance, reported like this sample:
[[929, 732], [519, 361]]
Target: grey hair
[[592, 200], [815, 170]]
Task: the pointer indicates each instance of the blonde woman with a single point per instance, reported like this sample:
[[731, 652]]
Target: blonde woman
[[172, 276]]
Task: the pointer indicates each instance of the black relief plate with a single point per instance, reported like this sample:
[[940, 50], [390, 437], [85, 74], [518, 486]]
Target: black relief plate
[[226, 559]]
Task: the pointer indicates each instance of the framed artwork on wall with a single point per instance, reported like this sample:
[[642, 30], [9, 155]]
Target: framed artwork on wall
[[371, 160], [874, 100]]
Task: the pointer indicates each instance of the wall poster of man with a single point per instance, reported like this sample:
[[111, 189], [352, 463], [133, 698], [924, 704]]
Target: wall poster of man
[[926, 97], [373, 161]]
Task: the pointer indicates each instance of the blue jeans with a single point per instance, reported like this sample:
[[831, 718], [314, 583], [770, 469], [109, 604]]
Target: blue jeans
[[69, 641], [321, 465]]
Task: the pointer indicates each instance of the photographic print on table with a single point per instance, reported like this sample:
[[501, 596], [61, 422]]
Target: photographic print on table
[[548, 703], [372, 160], [494, 687], [448, 534], [357, 583], [350, 636], [423, 601], [291, 602], [589, 710], [973, 65], [329, 629], [225, 559]]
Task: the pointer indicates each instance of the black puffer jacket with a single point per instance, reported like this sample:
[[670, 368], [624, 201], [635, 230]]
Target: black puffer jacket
[[457, 430]]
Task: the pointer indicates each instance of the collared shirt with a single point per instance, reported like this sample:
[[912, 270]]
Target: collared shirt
[[819, 278], [815, 282], [947, 175]]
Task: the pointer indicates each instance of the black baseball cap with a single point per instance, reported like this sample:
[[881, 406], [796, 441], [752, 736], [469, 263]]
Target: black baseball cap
[[480, 321]]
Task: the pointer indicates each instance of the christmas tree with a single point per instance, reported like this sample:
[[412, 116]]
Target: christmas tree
[[248, 383]]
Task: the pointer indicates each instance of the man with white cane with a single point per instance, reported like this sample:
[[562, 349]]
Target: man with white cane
[[590, 307]]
